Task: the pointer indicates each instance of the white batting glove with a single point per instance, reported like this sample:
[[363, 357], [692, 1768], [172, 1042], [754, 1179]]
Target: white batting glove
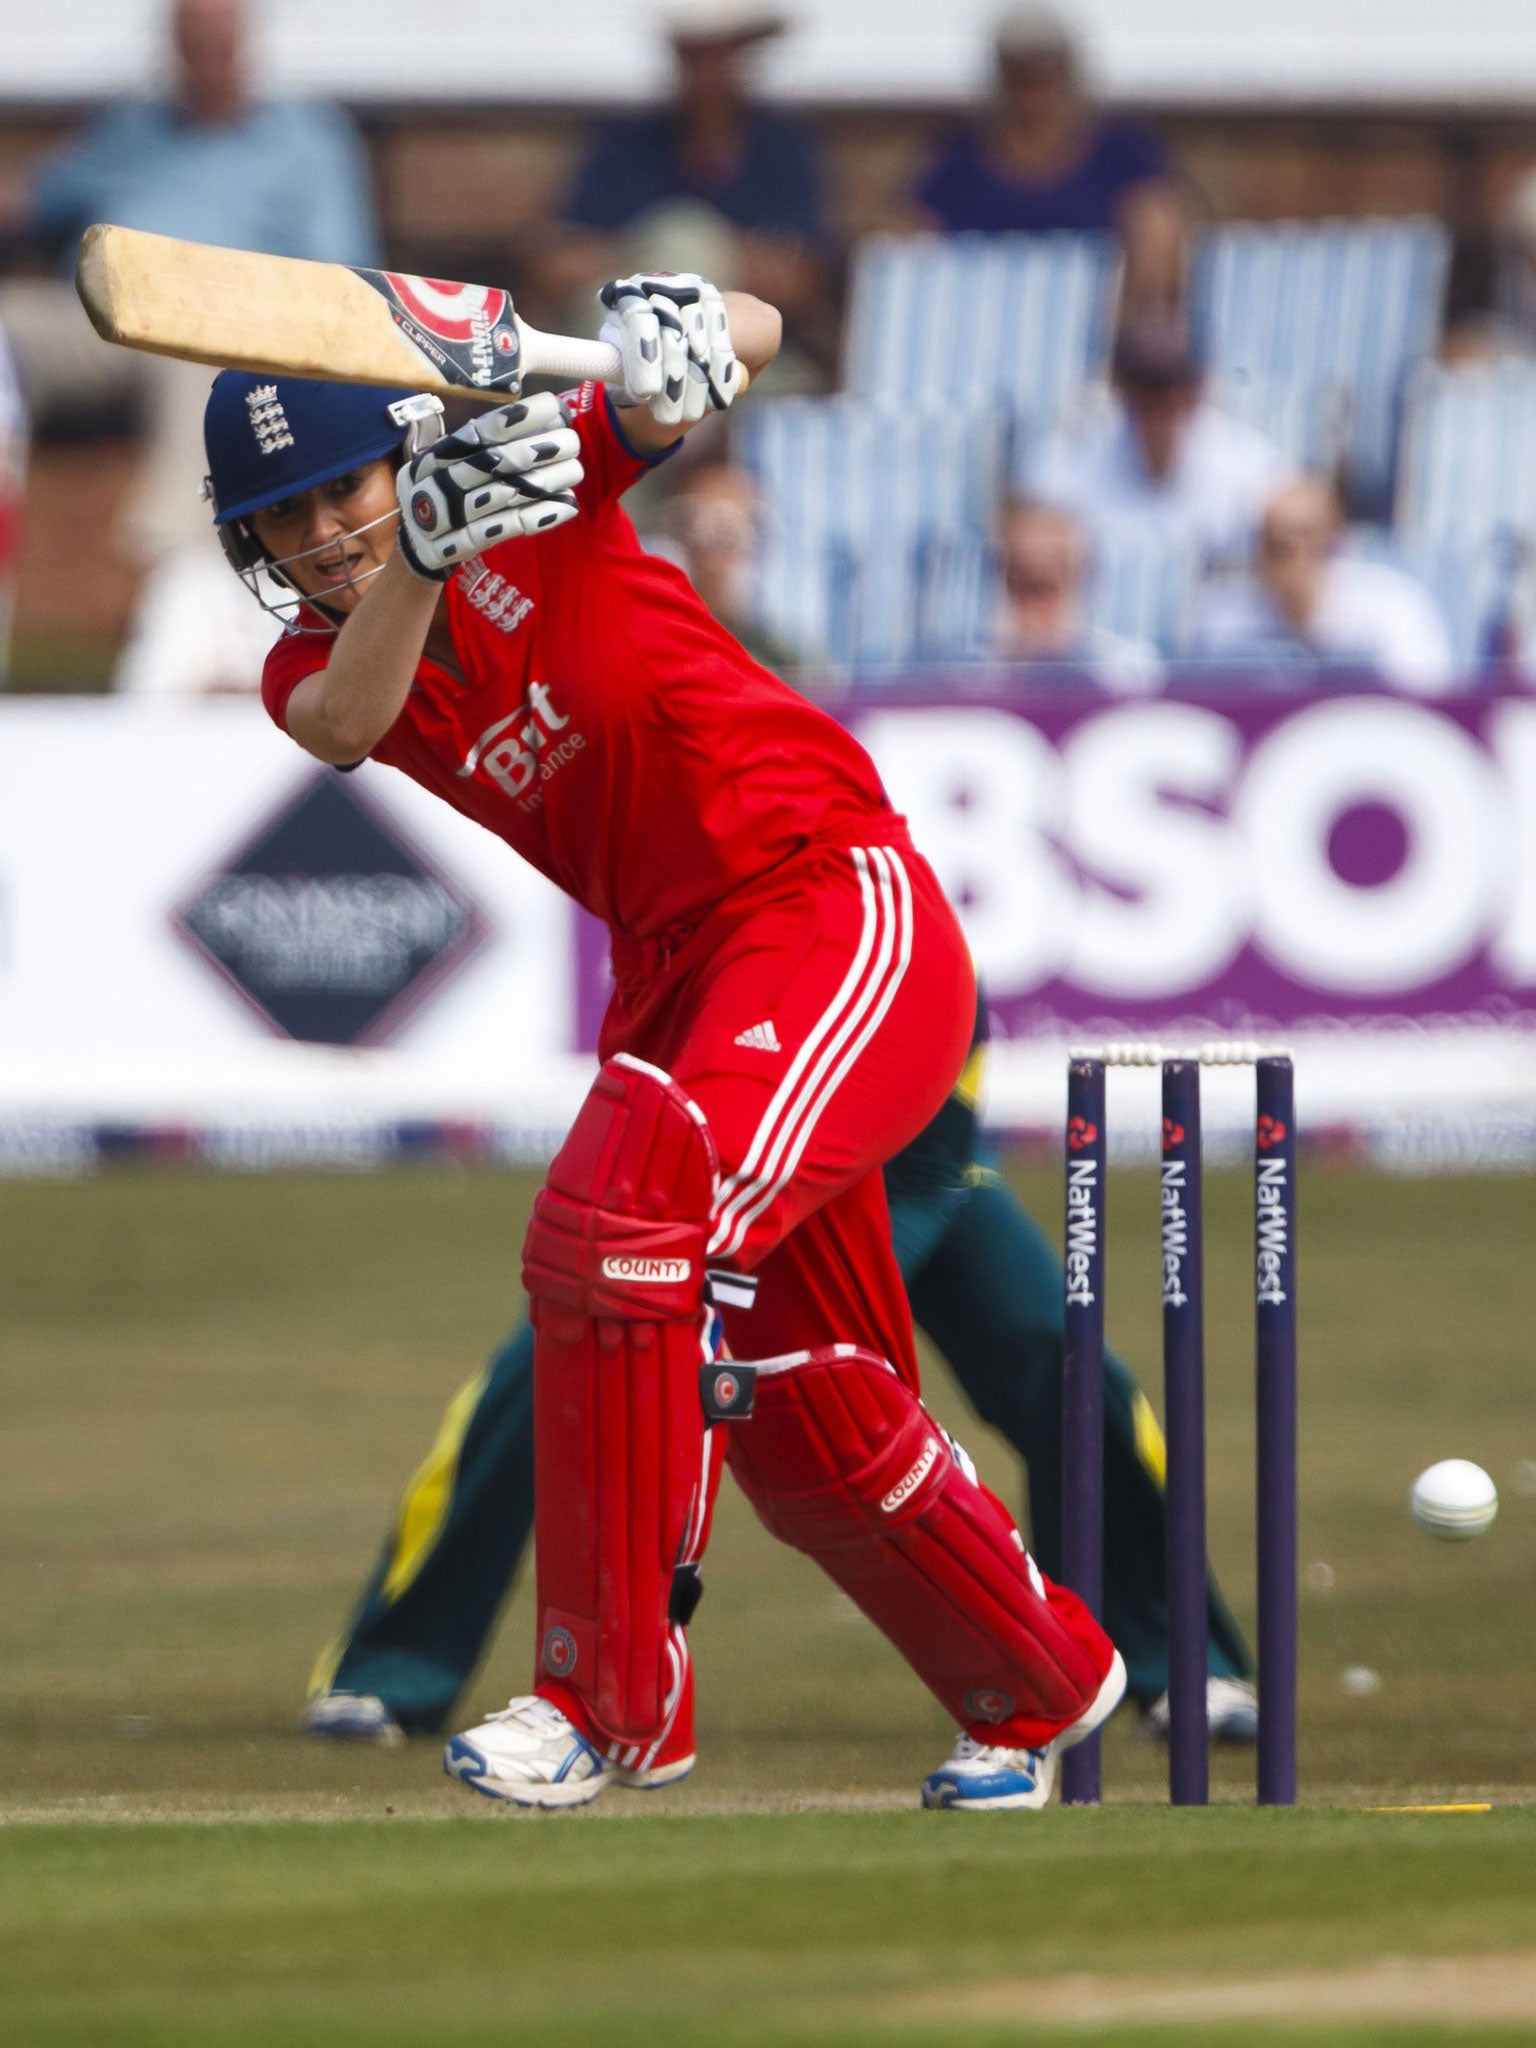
[[509, 473], [674, 337]]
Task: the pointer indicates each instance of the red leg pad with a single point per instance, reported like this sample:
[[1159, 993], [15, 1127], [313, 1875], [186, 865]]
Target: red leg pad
[[841, 1460], [614, 1267]]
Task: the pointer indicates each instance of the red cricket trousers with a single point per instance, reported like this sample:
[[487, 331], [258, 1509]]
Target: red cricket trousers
[[818, 1020]]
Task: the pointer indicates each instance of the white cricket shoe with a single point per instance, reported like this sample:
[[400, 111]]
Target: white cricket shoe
[[1231, 1712], [352, 1717], [984, 1777], [531, 1754]]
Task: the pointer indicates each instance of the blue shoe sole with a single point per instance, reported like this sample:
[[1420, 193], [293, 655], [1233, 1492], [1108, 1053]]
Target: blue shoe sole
[[950, 1798], [1003, 1790]]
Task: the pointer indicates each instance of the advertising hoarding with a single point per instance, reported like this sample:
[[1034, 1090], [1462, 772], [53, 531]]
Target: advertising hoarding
[[205, 937]]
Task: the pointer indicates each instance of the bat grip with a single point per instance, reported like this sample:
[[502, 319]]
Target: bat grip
[[559, 355]]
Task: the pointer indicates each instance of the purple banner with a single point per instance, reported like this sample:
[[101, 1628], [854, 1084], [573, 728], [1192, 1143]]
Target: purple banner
[[1228, 863], [594, 979]]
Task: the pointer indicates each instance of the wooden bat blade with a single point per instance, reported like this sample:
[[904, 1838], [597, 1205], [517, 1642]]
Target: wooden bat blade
[[280, 316]]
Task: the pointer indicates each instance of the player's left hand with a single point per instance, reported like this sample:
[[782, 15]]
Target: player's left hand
[[672, 331], [507, 474]]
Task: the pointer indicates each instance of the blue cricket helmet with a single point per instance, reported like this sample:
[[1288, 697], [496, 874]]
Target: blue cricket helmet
[[271, 437]]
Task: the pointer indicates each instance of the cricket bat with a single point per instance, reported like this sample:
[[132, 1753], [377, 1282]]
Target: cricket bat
[[283, 317]]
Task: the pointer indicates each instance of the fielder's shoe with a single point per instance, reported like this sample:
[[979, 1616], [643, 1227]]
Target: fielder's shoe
[[1231, 1713], [982, 1777], [352, 1717], [531, 1754]]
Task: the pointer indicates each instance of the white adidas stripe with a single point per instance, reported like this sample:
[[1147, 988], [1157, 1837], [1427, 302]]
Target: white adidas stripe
[[807, 1052], [766, 1148], [640, 1756], [840, 1035], [792, 1130], [886, 995], [677, 1637], [750, 1201]]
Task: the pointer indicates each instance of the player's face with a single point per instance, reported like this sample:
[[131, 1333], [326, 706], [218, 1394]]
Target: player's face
[[330, 540]]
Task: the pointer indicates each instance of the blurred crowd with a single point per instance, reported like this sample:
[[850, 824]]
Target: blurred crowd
[[1276, 554]]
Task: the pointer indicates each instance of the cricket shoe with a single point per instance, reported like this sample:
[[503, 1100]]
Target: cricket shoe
[[1231, 1713], [666, 1761], [985, 1777], [640, 1766], [531, 1754], [663, 1770], [352, 1717]]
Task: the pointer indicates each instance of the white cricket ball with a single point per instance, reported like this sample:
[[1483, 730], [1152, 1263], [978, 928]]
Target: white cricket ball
[[1454, 1499]]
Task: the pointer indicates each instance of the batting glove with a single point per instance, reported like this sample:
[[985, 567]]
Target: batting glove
[[509, 473], [674, 337]]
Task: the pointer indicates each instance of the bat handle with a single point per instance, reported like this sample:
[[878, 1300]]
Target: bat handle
[[559, 355]]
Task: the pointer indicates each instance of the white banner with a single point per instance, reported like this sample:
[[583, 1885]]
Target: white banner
[[120, 825]]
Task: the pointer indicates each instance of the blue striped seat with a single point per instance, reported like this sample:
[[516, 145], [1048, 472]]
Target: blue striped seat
[[1343, 309], [874, 518], [1138, 592], [1469, 455], [1471, 575], [1473, 583], [1141, 579], [1308, 423], [1019, 322], [1140, 583]]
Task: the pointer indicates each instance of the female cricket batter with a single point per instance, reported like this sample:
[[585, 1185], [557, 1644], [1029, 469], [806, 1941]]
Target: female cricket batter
[[792, 1003]]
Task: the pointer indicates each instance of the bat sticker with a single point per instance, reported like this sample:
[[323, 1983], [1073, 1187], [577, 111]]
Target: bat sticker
[[468, 332]]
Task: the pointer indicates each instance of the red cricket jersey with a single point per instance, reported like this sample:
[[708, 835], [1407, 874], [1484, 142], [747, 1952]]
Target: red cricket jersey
[[609, 729]]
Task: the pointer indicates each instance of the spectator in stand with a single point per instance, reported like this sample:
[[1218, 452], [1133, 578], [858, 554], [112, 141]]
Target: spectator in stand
[[1044, 158], [1509, 330], [1160, 451], [1042, 617], [1307, 605], [714, 180], [210, 162], [711, 526], [1491, 296]]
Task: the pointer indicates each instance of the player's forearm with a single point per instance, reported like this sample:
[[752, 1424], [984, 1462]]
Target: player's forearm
[[756, 330], [342, 713]]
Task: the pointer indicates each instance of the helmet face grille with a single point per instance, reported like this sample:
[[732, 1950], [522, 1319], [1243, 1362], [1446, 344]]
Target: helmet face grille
[[268, 580]]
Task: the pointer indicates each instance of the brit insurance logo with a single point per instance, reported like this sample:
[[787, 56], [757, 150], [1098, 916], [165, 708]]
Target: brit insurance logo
[[329, 923]]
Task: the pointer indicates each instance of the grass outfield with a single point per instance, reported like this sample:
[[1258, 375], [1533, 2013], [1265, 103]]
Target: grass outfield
[[213, 1388], [816, 1928]]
